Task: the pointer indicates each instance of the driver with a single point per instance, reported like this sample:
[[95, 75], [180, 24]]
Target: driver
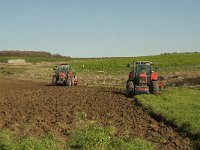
[[143, 69]]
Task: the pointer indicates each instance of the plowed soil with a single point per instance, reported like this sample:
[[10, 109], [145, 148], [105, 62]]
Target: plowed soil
[[35, 108]]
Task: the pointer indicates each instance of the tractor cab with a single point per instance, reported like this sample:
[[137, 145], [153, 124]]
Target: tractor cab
[[63, 68], [142, 72]]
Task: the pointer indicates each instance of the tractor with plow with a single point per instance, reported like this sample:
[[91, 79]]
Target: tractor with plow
[[64, 76], [143, 80]]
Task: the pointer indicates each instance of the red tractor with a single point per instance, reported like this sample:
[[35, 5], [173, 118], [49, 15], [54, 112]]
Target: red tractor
[[64, 75], [142, 79]]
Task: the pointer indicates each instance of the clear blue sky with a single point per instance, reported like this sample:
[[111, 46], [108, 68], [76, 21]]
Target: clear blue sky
[[95, 28]]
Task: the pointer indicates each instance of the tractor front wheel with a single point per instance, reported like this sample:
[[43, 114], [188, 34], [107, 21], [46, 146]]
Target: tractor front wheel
[[69, 81], [154, 87], [130, 89]]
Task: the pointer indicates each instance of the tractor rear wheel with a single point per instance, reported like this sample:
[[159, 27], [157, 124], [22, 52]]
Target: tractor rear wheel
[[69, 81], [72, 81], [75, 80], [130, 91], [154, 87], [54, 81]]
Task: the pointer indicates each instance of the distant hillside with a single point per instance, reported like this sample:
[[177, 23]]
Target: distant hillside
[[30, 53], [179, 53]]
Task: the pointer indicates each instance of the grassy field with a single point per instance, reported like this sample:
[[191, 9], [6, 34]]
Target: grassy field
[[165, 63], [180, 106]]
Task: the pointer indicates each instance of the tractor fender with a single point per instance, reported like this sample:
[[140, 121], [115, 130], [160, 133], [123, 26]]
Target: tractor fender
[[131, 75], [154, 76]]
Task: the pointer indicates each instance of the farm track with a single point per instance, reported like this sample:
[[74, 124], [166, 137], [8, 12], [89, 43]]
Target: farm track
[[34, 108]]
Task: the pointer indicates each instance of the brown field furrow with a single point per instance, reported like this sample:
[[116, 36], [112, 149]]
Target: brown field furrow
[[34, 109]]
